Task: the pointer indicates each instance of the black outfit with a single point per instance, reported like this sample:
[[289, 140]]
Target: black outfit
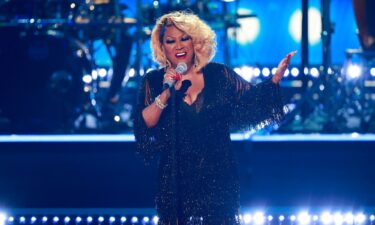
[[203, 188]]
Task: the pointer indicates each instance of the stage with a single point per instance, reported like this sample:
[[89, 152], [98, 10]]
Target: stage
[[101, 174]]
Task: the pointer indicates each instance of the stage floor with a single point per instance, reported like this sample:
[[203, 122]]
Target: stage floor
[[104, 172]]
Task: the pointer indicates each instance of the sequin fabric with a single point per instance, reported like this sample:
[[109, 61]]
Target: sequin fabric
[[198, 179]]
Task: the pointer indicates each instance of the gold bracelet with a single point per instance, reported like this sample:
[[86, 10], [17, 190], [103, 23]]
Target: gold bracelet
[[159, 104]]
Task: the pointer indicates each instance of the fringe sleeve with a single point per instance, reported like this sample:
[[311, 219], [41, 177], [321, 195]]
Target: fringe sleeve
[[254, 106], [147, 140]]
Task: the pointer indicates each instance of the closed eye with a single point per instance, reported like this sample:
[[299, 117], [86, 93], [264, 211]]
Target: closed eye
[[169, 41], [185, 38]]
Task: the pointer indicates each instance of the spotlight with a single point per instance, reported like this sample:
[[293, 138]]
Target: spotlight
[[100, 219], [266, 72], [270, 218], [305, 70], [372, 72], [102, 72], [89, 219], [134, 219], [238, 71], [281, 218], [360, 218], [314, 72], [372, 218], [338, 218], [44, 219], [326, 218], [155, 220], [294, 72], [259, 218], [117, 118], [353, 71], [349, 218], [87, 78], [315, 218], [247, 218], [11, 219], [256, 72], [247, 73], [112, 219], [146, 219], [33, 219], [94, 74], [131, 72], [293, 218], [2, 218], [56, 219], [330, 71], [304, 218], [78, 219], [67, 219], [22, 219], [123, 219]]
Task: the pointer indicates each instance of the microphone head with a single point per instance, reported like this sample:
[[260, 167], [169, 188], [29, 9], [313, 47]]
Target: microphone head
[[181, 68]]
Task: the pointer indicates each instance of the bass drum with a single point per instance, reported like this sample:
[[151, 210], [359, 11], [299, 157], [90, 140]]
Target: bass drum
[[42, 88]]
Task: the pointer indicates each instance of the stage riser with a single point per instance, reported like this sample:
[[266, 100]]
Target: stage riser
[[110, 175]]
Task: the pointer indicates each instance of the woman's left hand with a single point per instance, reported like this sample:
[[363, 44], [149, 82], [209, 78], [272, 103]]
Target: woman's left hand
[[282, 67]]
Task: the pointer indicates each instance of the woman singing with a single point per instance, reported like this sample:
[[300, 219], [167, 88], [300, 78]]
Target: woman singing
[[187, 125]]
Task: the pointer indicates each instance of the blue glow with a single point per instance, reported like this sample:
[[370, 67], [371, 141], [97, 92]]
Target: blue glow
[[22, 219], [89, 219], [234, 137], [146, 219], [56, 219], [134, 219], [11, 219]]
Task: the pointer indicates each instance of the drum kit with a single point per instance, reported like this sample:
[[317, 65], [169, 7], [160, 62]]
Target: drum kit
[[45, 51]]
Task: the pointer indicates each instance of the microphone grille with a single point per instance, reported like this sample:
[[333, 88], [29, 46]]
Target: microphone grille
[[181, 67]]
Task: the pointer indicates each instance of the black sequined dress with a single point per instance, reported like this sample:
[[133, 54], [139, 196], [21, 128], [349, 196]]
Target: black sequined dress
[[198, 180]]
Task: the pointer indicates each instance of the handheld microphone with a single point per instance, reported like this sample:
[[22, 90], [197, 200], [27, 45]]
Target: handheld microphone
[[180, 69]]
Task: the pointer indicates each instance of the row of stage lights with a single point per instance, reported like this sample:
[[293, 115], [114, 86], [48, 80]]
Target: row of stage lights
[[259, 218], [352, 71]]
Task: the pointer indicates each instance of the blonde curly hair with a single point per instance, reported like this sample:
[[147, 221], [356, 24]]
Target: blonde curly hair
[[204, 38]]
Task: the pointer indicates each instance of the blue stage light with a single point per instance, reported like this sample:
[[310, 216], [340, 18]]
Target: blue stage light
[[78, 219], [56, 219], [155, 219], [89, 219], [22, 219], [33, 219], [134, 219], [146, 219]]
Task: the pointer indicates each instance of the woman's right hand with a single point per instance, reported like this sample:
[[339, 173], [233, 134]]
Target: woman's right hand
[[171, 75]]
